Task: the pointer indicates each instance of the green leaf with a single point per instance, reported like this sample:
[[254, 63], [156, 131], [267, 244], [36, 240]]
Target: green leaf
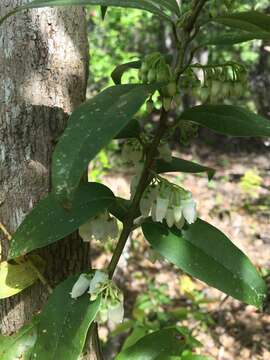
[[132, 130], [159, 8], [15, 346], [103, 11], [91, 127], [251, 21], [63, 324], [231, 38], [228, 120], [160, 343], [15, 277], [118, 72], [182, 166], [137, 333], [206, 253], [195, 357], [49, 222]]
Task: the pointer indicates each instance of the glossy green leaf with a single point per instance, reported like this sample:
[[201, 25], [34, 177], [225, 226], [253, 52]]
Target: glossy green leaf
[[49, 222], [182, 166], [160, 7], [15, 346], [132, 130], [228, 120], [232, 38], [119, 71], [206, 253], [63, 324], [91, 127], [15, 277], [251, 21], [160, 343]]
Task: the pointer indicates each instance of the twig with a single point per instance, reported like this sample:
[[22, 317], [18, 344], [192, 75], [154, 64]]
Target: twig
[[5, 232]]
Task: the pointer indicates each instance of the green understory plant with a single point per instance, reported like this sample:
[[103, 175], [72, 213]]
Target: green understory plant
[[166, 212]]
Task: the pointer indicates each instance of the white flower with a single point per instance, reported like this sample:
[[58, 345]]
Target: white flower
[[177, 212], [99, 279], [85, 231], [189, 210], [116, 311], [170, 217], [153, 211], [180, 223], [132, 151], [165, 152], [161, 208], [147, 201], [80, 286], [99, 228], [112, 228]]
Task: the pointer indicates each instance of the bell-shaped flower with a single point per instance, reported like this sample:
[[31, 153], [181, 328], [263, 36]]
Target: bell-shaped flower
[[170, 217], [132, 151], [85, 231], [99, 228], [112, 228], [162, 204], [116, 311], [189, 210], [80, 286], [180, 223], [165, 152], [100, 278]]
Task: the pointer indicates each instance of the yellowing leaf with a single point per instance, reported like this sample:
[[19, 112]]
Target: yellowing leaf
[[16, 277]]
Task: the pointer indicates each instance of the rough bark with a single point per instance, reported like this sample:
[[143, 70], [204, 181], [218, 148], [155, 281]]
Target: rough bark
[[44, 62]]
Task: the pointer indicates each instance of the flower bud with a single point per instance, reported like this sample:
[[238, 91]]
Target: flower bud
[[151, 77], [189, 210], [165, 152], [171, 89], [167, 102], [150, 106], [80, 286], [85, 231], [99, 279]]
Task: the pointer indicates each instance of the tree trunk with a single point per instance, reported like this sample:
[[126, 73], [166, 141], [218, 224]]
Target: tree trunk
[[44, 62]]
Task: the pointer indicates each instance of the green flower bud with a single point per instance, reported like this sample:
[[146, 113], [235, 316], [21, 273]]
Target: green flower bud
[[177, 99], [171, 89], [204, 94], [167, 103], [238, 89], [151, 77], [215, 88], [150, 106]]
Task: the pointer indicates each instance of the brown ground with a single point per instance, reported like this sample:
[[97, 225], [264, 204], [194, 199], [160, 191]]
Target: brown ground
[[236, 331]]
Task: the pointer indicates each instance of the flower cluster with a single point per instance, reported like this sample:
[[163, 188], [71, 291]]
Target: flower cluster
[[165, 200], [219, 81], [132, 152], [112, 299], [155, 69], [100, 228]]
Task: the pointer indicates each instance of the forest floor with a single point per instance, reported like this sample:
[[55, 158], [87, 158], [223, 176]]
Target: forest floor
[[227, 329]]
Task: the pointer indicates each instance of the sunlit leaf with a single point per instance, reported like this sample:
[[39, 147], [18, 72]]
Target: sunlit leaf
[[160, 343], [206, 253], [15, 277], [15, 346], [49, 222]]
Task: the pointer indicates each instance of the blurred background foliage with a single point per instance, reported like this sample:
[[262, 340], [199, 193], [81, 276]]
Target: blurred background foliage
[[239, 191]]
